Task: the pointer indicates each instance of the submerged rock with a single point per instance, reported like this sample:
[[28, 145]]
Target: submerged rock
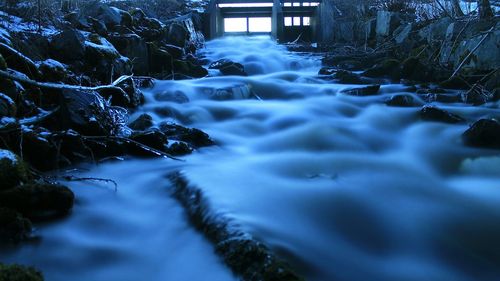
[[192, 136], [483, 133], [13, 229], [343, 76], [16, 272], [13, 171], [143, 122], [38, 200], [362, 91], [153, 138], [228, 67], [432, 113], [401, 101]]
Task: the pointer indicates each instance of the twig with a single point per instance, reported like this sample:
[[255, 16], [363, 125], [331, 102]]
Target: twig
[[471, 52], [74, 178], [138, 144]]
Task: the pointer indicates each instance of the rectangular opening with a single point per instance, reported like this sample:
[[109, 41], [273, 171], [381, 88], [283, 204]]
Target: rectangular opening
[[296, 21], [306, 21], [287, 4], [235, 25], [288, 21], [295, 4], [306, 4], [244, 5], [260, 24]]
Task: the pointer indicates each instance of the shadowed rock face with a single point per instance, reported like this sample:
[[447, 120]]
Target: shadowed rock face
[[483, 133]]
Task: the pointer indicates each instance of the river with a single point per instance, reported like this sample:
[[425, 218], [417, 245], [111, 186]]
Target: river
[[342, 187]]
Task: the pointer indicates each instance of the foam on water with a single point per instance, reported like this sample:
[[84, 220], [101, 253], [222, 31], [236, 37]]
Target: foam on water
[[343, 187]]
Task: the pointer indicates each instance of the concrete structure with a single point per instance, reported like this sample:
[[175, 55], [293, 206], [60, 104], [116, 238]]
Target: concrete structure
[[288, 19]]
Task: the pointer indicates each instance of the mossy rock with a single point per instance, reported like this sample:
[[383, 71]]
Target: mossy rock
[[13, 227], [13, 171], [38, 200], [16, 272]]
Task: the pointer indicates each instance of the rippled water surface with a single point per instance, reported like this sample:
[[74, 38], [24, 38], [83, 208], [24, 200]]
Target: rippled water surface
[[342, 187]]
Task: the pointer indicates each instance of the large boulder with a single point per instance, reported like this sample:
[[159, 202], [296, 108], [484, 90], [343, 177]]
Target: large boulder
[[53, 71], [177, 34], [387, 22], [135, 48], [18, 61], [13, 171], [160, 60], [68, 45], [483, 133], [432, 113]]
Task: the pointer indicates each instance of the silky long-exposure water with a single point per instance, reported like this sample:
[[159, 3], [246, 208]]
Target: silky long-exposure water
[[342, 187]]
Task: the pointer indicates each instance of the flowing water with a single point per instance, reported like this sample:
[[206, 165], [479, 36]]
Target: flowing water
[[342, 187]]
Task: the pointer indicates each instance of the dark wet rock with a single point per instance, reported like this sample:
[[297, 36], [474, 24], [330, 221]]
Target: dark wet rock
[[362, 91], [174, 51], [177, 97], [177, 34], [7, 106], [18, 61], [143, 122], [13, 171], [53, 71], [496, 94], [153, 138], [401, 101], [228, 67], [343, 76], [483, 133], [177, 148], [432, 113], [68, 45], [192, 136], [246, 257], [116, 96], [387, 68], [110, 16], [413, 69], [19, 273], [76, 21], [38, 200], [134, 94], [135, 48], [33, 45], [14, 228], [160, 60], [98, 26], [189, 69], [444, 98], [477, 96], [88, 113]]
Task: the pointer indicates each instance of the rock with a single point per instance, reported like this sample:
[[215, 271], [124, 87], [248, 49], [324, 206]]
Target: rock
[[401, 101], [109, 15], [228, 67], [103, 61], [19, 273], [402, 33], [7, 106], [88, 113], [76, 21], [483, 133], [135, 48], [143, 122], [38, 200], [13, 171], [435, 31], [477, 96], [413, 69], [68, 45], [98, 27], [189, 69], [19, 62], [174, 51], [343, 76], [116, 96], [127, 84], [53, 71], [153, 138], [177, 34], [362, 91], [177, 97], [432, 113], [387, 68], [454, 83], [33, 45], [177, 148], [160, 60], [387, 22], [13, 229], [235, 92], [192, 136]]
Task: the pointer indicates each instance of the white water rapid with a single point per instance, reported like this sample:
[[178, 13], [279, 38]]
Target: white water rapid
[[344, 188]]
